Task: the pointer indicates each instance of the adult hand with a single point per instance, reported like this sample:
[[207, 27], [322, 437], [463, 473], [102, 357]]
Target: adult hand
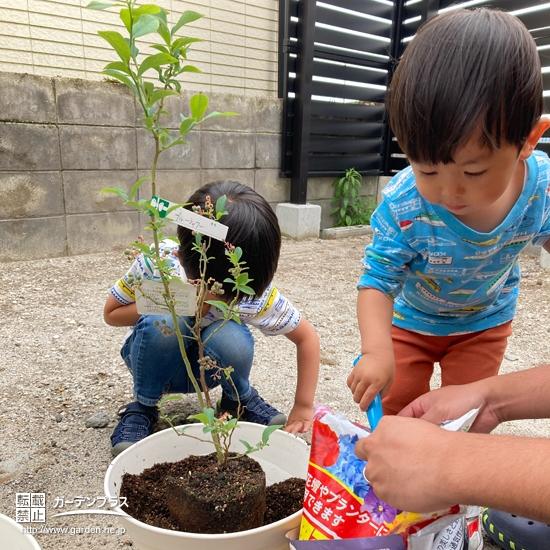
[[406, 463], [451, 402], [373, 374]]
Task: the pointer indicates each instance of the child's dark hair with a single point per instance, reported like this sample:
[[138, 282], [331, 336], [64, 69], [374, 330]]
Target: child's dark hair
[[253, 227], [465, 71]]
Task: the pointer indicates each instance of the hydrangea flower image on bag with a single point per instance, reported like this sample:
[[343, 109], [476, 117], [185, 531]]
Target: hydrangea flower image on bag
[[338, 501]]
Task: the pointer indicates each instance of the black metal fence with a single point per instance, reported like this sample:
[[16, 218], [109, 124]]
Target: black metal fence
[[336, 58]]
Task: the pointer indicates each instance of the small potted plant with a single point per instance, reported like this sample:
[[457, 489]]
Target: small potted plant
[[138, 72]]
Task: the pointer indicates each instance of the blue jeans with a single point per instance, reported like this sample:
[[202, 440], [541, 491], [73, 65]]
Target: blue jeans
[[157, 366]]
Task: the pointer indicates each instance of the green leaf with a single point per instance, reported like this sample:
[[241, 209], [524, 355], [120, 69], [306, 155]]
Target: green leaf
[[126, 18], [231, 423], [162, 16], [154, 61], [180, 42], [176, 84], [149, 88], [247, 445], [159, 94], [142, 207], [117, 42], [266, 434], [133, 49], [99, 5], [246, 290], [186, 125], [161, 48], [190, 69], [176, 142], [219, 304], [123, 78], [238, 252], [119, 66], [146, 24], [198, 105], [148, 122], [208, 429], [116, 191], [146, 8], [136, 186], [163, 31], [201, 417], [220, 204], [146, 248], [242, 278], [209, 412], [216, 113], [187, 17]]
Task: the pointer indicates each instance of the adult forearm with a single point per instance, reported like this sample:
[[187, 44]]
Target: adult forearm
[[519, 395], [504, 472]]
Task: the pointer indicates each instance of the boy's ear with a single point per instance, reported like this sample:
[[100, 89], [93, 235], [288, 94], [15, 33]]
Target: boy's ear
[[542, 124]]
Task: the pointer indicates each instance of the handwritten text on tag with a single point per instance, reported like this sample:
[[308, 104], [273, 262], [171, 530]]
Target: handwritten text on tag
[[150, 301]]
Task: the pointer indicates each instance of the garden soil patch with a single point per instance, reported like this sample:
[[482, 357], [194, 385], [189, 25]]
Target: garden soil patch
[[61, 365]]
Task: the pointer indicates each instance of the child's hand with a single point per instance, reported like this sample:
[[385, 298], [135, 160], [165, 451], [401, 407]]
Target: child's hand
[[373, 374], [299, 419]]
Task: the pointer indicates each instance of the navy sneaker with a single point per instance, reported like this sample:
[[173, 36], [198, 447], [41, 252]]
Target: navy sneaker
[[136, 422], [254, 409]]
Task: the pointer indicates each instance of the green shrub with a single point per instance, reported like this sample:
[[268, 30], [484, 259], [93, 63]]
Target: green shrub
[[353, 208]]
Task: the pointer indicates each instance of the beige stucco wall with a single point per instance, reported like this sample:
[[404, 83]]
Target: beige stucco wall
[[59, 38]]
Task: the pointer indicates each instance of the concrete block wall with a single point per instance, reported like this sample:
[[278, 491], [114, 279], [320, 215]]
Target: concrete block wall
[[59, 38], [63, 140]]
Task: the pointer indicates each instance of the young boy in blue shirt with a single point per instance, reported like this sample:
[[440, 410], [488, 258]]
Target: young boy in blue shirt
[[441, 278], [155, 360]]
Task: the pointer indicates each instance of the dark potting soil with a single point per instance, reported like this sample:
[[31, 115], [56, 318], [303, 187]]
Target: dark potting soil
[[206, 498], [146, 502]]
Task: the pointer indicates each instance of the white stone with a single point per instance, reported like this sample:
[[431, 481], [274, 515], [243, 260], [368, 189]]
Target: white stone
[[299, 221]]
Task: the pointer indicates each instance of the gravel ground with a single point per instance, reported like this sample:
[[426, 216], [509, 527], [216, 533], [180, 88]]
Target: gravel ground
[[62, 365]]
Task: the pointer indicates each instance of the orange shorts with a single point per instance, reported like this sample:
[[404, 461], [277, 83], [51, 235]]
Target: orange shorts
[[463, 359]]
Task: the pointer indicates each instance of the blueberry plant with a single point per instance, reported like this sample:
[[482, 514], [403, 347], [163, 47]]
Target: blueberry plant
[[153, 77]]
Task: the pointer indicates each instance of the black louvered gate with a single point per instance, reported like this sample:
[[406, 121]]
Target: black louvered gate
[[336, 59]]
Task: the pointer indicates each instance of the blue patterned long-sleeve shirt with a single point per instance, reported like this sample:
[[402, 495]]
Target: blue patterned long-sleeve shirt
[[445, 277]]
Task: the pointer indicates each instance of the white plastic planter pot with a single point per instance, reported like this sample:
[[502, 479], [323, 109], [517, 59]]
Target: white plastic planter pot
[[286, 456], [12, 536]]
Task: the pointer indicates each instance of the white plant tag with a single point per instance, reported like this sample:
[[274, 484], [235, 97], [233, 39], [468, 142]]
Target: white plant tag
[[191, 220], [150, 292]]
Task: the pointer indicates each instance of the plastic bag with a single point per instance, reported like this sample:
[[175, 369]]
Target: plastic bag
[[338, 501], [391, 542]]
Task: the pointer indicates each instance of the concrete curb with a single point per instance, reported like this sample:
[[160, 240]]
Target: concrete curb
[[343, 232]]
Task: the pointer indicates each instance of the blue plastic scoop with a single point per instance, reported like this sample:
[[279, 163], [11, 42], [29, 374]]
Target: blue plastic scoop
[[374, 411]]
